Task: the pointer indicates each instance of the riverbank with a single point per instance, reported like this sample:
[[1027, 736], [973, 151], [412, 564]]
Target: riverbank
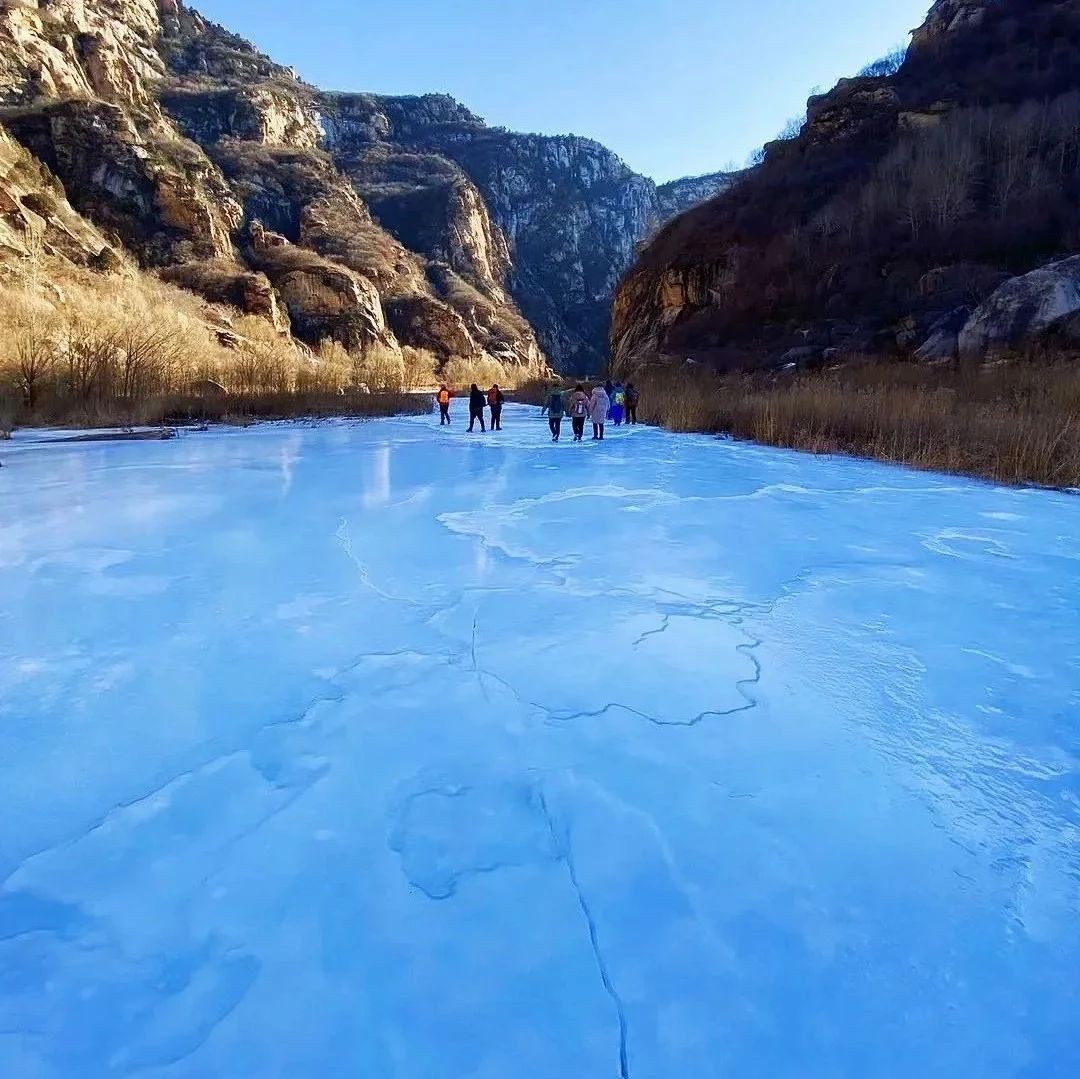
[[1014, 422]]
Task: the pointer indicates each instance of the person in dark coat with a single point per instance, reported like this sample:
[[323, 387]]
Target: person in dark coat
[[495, 403], [476, 407], [633, 396]]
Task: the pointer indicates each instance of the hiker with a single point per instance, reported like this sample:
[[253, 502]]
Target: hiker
[[555, 409], [618, 404], [599, 403], [443, 398], [495, 403], [632, 398], [579, 411], [476, 407]]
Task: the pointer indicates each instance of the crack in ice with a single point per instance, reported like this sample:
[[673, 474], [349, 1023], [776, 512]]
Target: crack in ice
[[567, 858]]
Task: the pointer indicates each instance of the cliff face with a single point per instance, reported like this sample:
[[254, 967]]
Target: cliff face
[[903, 203], [563, 213]]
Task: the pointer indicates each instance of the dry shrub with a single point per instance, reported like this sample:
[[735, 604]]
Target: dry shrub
[[484, 371], [1015, 422], [96, 350], [420, 367]]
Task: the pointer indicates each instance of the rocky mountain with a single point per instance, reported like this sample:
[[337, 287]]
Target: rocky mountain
[[136, 131], [185, 148], [893, 218]]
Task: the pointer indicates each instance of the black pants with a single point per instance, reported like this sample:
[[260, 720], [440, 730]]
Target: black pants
[[631, 413], [496, 417], [598, 430], [444, 414], [579, 427], [474, 415], [555, 423]]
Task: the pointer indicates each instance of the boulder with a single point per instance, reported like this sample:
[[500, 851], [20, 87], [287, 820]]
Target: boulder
[[943, 340], [1023, 310]]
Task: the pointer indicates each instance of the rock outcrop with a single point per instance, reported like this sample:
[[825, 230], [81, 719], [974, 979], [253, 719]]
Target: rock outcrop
[[905, 198], [36, 219]]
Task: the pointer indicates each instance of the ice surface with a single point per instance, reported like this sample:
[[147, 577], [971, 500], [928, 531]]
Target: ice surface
[[385, 751]]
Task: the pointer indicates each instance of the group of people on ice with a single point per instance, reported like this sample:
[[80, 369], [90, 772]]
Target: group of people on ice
[[610, 401]]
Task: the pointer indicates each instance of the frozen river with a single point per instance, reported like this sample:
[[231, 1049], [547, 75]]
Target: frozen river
[[381, 751]]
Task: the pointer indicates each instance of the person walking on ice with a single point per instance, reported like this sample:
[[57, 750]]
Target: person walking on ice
[[599, 403], [443, 397], [579, 411], [476, 407], [633, 395], [618, 403], [555, 409], [495, 403]]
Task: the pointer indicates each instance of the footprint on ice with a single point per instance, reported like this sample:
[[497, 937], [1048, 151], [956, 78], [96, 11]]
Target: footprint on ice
[[447, 834]]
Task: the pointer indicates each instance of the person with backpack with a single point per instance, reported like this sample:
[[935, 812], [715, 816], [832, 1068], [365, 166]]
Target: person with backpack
[[579, 411], [476, 407], [618, 404], [443, 397], [632, 398], [555, 409], [495, 403], [599, 403]]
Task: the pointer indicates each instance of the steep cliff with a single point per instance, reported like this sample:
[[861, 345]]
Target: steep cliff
[[904, 202], [564, 213]]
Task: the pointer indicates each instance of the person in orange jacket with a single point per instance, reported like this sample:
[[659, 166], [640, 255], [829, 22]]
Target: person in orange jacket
[[443, 397], [495, 403]]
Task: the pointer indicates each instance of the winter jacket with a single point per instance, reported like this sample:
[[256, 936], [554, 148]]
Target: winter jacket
[[555, 409], [599, 403], [477, 400], [576, 397], [495, 397]]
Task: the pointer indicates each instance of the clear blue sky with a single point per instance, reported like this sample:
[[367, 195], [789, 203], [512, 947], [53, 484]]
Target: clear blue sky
[[675, 89]]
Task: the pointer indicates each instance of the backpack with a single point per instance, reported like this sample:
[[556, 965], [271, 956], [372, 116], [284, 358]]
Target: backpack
[[620, 398], [580, 407], [555, 404]]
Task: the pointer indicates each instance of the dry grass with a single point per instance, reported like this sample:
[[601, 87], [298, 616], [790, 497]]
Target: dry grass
[[1014, 422], [83, 349]]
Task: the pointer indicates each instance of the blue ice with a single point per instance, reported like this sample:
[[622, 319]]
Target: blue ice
[[382, 750]]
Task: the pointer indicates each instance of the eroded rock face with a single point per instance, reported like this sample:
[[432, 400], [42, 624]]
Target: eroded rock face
[[105, 49], [159, 193], [37, 219], [569, 211]]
